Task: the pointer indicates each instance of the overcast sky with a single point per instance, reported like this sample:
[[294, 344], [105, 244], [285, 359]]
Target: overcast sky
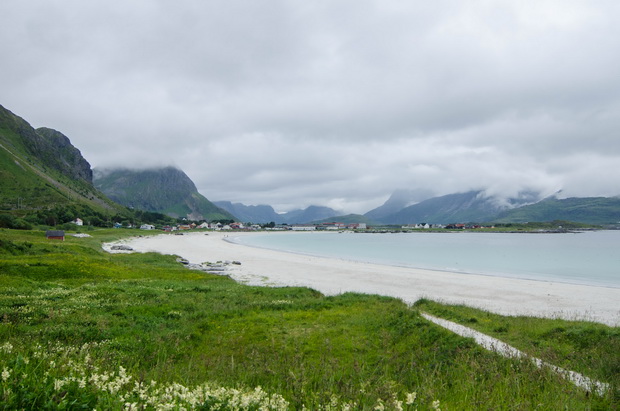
[[336, 103]]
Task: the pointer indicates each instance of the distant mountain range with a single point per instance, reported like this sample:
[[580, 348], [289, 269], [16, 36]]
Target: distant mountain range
[[165, 190], [410, 207], [459, 207], [590, 210], [263, 214], [476, 206]]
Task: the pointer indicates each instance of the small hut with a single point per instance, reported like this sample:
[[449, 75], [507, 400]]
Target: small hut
[[55, 235]]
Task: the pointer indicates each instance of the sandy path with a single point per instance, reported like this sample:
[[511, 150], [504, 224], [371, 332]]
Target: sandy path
[[333, 276], [493, 344]]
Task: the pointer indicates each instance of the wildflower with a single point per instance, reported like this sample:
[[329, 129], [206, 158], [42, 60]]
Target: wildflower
[[411, 398], [435, 405], [58, 384], [7, 347], [6, 373]]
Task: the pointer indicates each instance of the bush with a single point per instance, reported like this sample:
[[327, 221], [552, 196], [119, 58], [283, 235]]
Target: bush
[[9, 221]]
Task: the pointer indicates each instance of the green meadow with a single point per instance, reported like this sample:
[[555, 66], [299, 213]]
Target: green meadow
[[84, 329]]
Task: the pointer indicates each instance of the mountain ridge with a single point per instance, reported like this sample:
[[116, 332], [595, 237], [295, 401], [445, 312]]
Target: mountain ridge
[[43, 174], [263, 214], [166, 190]]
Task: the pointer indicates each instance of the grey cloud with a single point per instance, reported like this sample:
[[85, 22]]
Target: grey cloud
[[327, 102]]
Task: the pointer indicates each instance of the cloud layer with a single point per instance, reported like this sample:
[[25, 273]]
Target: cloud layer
[[333, 103]]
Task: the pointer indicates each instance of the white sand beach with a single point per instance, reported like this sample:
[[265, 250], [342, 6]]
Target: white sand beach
[[331, 276]]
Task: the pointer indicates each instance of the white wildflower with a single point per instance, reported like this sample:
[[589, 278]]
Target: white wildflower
[[58, 384], [6, 373], [435, 405], [7, 347], [411, 398]]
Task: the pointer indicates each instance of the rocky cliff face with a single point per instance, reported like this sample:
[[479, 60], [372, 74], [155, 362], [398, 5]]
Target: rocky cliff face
[[45, 147], [64, 156], [41, 169]]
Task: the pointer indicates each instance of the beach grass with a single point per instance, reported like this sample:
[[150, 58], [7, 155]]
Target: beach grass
[[582, 346], [83, 328]]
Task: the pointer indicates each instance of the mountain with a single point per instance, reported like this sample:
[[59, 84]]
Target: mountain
[[472, 206], [262, 214], [347, 219], [397, 201], [259, 214], [589, 210], [43, 176], [307, 215], [165, 190]]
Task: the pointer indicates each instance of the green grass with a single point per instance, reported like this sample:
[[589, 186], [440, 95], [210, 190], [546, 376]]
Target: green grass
[[589, 348], [70, 314]]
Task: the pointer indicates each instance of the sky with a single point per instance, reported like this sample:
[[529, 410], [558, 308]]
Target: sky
[[336, 103]]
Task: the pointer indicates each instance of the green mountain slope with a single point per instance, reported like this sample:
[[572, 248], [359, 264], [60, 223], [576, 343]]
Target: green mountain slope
[[41, 171], [166, 190], [459, 207], [590, 210]]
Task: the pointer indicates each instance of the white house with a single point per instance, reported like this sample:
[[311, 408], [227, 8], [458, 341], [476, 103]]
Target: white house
[[147, 227], [303, 228], [78, 221]]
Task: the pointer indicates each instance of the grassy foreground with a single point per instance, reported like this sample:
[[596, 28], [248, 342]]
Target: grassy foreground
[[80, 328]]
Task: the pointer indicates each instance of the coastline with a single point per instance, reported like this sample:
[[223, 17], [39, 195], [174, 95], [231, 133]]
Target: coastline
[[506, 296]]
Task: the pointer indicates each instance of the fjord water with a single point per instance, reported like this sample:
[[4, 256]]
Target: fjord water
[[591, 258]]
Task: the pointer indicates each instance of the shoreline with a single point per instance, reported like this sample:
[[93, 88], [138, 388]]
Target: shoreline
[[405, 266], [331, 276]]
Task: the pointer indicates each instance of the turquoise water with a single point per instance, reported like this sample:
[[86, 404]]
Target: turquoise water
[[591, 258]]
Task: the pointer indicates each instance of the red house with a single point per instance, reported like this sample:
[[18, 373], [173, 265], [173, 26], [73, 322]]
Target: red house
[[55, 235]]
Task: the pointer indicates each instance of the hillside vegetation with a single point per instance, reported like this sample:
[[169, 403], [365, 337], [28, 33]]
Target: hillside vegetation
[[80, 328]]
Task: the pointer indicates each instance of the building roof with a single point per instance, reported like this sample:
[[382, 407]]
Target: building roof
[[54, 233]]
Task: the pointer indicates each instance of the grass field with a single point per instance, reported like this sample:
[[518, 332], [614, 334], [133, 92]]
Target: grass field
[[80, 328]]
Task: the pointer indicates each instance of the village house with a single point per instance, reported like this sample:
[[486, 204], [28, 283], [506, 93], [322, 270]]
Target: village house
[[333, 226], [55, 235], [78, 221], [303, 227], [147, 227]]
